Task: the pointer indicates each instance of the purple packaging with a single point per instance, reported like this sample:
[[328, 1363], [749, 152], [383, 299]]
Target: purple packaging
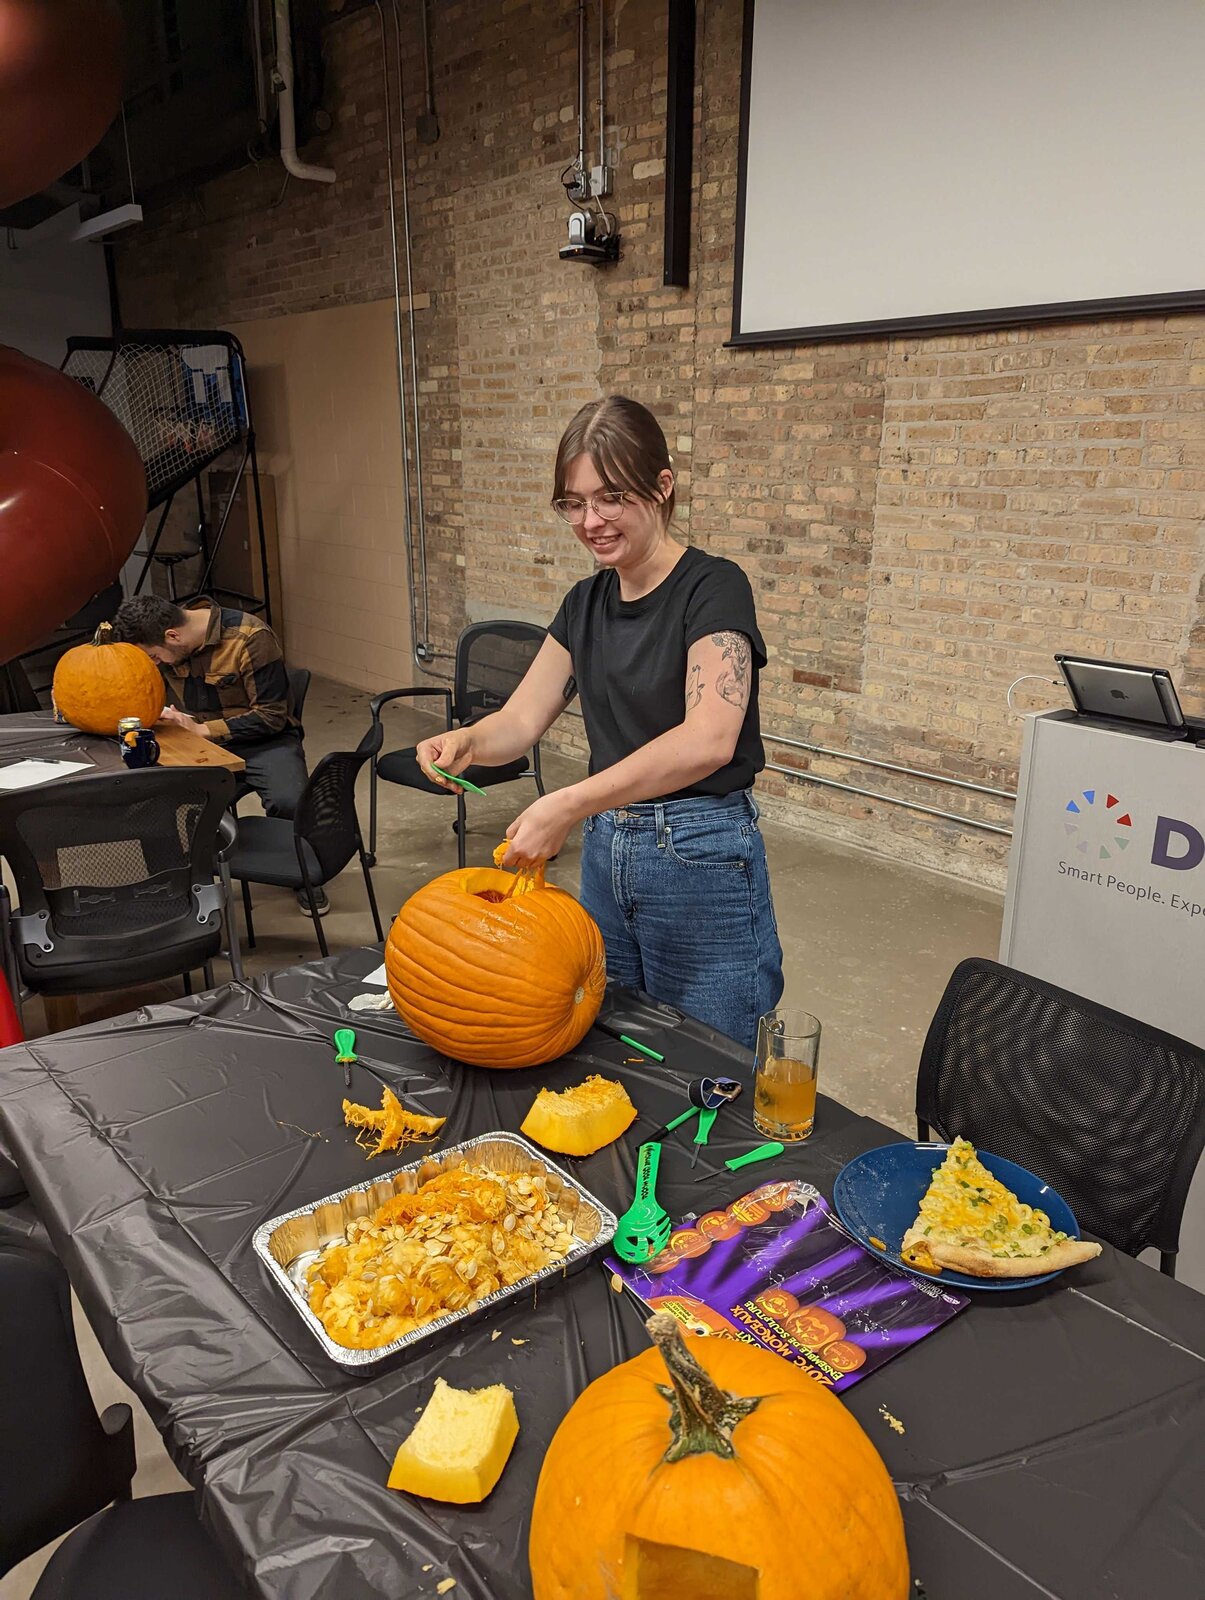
[[776, 1268]]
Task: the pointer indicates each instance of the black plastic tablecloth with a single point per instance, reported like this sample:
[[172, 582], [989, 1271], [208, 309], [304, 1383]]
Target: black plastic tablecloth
[[35, 735], [1054, 1439]]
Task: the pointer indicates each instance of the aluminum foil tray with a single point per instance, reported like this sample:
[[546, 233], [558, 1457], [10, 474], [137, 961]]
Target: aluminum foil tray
[[289, 1244]]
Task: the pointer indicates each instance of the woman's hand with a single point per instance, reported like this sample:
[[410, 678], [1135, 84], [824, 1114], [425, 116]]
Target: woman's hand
[[453, 751], [538, 833]]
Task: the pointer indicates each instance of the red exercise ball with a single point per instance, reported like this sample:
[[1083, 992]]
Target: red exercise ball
[[72, 499], [60, 87]]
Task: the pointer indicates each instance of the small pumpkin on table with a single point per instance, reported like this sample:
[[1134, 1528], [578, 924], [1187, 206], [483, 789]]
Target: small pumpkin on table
[[95, 685]]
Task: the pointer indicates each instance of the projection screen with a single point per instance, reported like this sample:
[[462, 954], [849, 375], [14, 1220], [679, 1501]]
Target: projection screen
[[920, 165]]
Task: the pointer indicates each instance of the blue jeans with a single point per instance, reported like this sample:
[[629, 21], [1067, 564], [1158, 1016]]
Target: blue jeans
[[681, 892]]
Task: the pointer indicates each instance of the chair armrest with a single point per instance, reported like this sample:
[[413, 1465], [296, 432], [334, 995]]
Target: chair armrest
[[227, 836], [380, 700]]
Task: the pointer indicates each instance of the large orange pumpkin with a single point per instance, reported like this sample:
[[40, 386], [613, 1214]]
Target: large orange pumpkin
[[97, 684], [742, 1479], [495, 969]]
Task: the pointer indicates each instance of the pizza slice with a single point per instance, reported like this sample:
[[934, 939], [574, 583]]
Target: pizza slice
[[968, 1221]]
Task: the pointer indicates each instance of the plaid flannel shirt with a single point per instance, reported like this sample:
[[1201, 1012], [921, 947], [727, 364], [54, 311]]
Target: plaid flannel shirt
[[236, 682]]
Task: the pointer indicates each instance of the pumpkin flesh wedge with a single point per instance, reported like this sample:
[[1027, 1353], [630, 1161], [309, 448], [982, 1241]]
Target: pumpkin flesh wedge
[[580, 1120]]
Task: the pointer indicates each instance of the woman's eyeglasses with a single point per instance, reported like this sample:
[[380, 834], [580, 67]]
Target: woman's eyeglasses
[[606, 505]]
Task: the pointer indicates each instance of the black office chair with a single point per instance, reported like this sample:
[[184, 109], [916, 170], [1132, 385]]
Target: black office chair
[[114, 878], [1109, 1111], [16, 694], [62, 1464], [317, 844], [491, 659]]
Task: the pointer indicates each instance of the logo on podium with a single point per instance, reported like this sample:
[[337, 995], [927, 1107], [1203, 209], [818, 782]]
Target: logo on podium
[[1098, 825]]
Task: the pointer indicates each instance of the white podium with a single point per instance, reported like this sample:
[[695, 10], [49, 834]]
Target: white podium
[[1106, 884]]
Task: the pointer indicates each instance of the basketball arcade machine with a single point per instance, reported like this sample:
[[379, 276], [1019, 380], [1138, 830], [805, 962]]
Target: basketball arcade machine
[[181, 394]]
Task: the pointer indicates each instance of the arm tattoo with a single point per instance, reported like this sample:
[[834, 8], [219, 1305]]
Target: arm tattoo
[[694, 687], [735, 677], [570, 689]]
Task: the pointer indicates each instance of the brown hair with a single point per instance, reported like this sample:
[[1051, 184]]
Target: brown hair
[[145, 620], [625, 442]]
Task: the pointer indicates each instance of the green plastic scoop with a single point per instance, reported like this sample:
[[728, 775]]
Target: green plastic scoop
[[644, 1228]]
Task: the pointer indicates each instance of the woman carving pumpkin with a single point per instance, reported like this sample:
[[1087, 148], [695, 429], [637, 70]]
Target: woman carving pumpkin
[[662, 644]]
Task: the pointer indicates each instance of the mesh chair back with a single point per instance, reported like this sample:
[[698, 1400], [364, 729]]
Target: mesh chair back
[[326, 813], [115, 857], [491, 659], [59, 1464], [1109, 1111]]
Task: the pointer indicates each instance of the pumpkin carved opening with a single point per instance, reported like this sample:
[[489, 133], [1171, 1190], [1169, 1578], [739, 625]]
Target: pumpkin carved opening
[[652, 1571]]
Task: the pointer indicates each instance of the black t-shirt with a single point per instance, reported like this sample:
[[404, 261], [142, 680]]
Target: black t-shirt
[[629, 659]]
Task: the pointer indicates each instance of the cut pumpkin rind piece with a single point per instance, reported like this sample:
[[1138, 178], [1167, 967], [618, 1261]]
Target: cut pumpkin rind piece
[[582, 1119]]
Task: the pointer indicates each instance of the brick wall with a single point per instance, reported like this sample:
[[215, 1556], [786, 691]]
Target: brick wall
[[923, 519]]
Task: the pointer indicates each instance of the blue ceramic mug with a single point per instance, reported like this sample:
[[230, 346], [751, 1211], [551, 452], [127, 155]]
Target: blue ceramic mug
[[139, 748]]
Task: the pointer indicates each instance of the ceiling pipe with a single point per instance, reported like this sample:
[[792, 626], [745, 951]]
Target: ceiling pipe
[[288, 125], [581, 89]]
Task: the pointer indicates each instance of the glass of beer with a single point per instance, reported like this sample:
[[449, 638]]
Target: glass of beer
[[784, 1090]]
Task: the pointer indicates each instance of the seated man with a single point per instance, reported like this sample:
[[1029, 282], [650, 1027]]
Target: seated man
[[225, 669]]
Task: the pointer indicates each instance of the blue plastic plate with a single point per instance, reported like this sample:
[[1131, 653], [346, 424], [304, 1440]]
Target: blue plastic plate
[[879, 1192]]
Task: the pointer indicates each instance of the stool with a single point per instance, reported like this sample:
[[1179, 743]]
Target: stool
[[171, 561]]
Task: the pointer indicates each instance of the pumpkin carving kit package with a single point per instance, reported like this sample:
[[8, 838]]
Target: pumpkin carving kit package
[[775, 1268]]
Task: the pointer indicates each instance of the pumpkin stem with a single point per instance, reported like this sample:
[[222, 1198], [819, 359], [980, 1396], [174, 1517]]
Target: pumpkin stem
[[702, 1415], [102, 634]]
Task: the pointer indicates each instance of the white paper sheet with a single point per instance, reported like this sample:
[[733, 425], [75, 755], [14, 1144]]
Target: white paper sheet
[[376, 977], [28, 774]]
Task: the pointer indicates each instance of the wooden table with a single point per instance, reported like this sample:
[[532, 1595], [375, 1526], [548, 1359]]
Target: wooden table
[[35, 735], [180, 748]]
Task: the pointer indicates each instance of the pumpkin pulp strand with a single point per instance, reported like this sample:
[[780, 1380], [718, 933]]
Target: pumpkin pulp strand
[[525, 879], [702, 1415]]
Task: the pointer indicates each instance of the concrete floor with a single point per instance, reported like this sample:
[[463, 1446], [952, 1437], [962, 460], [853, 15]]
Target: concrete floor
[[868, 946]]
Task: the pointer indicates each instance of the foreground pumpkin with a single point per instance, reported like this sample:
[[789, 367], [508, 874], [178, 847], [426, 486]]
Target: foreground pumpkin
[[580, 1120], [96, 685], [495, 968], [742, 1479]]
